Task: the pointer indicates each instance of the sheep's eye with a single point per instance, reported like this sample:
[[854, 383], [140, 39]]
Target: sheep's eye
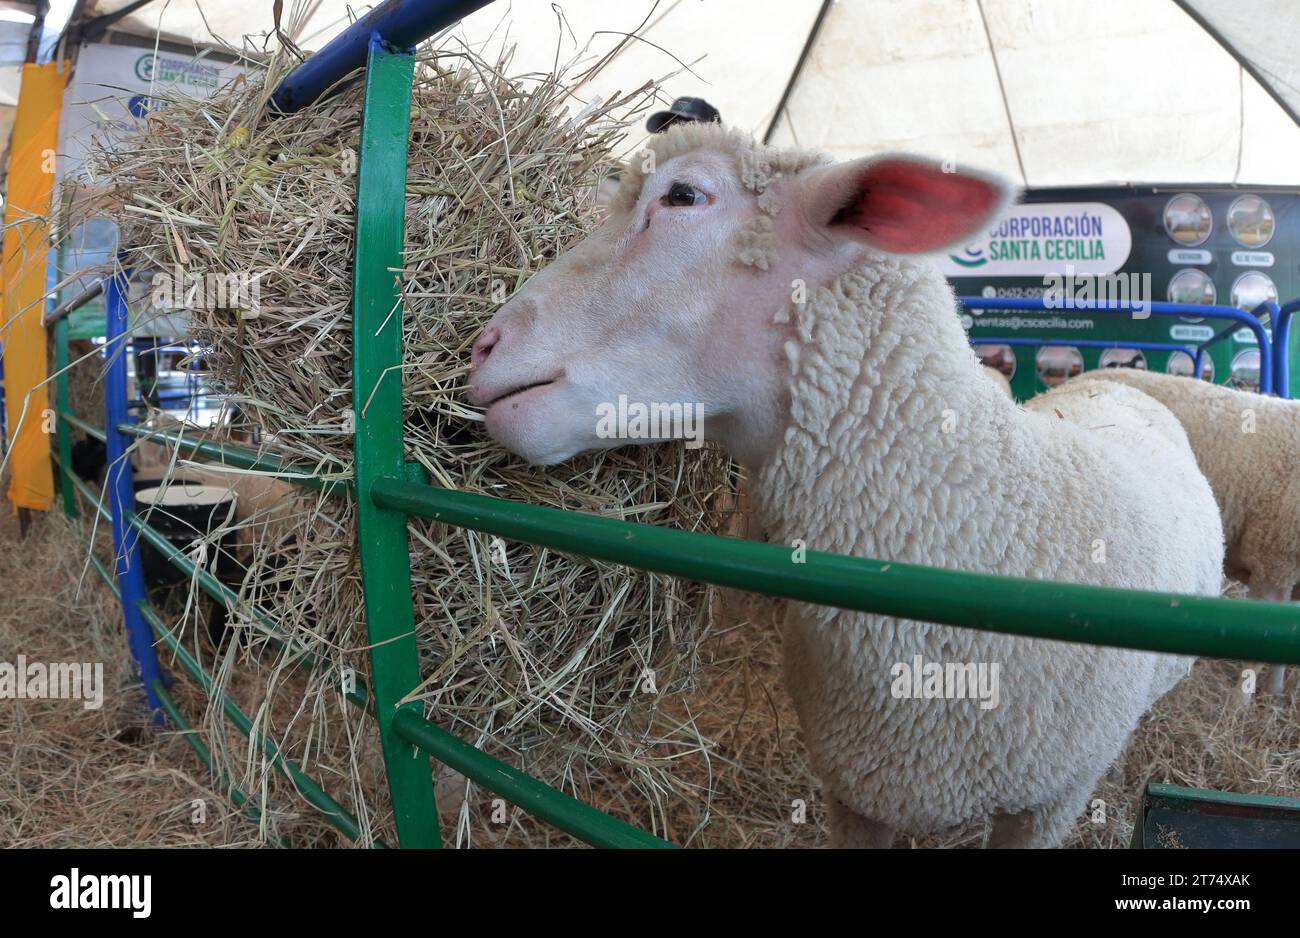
[[683, 193]]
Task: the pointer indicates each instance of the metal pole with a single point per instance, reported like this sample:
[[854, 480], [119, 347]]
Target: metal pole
[[383, 541], [1072, 612], [1282, 348], [402, 23], [121, 496], [62, 406], [1113, 307], [74, 304]]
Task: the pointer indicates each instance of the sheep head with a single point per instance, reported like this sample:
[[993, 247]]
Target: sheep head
[[679, 300]]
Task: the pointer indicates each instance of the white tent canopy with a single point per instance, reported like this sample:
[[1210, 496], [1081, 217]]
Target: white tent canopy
[[1050, 92]]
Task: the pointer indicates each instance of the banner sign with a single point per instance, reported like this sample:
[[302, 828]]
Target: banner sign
[[112, 83], [1035, 240]]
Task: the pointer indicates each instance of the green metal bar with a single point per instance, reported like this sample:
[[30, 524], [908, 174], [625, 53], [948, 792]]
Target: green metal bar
[[1169, 622], [101, 568], [214, 587], [191, 736], [1232, 798], [86, 428], [61, 406], [568, 814], [192, 666], [169, 705], [335, 813], [239, 457], [377, 404], [226, 454], [208, 583], [90, 495]]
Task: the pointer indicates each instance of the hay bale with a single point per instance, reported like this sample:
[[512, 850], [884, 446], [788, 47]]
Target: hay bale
[[545, 658]]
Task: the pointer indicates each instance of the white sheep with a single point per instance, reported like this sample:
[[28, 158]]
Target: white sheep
[[998, 378], [1248, 446], [775, 292]]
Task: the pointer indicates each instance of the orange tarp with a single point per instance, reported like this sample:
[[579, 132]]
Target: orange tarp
[[26, 244]]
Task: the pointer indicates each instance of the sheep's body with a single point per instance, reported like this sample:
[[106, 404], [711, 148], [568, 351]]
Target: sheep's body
[[867, 468], [1000, 380], [1248, 446]]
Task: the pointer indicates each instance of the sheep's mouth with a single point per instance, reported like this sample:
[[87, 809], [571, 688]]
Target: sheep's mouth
[[515, 392]]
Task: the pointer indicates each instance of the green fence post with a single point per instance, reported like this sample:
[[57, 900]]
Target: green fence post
[[377, 404], [62, 407]]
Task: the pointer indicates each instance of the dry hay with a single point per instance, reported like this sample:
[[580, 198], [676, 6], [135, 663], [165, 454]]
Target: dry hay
[[85, 381], [544, 659], [77, 777]]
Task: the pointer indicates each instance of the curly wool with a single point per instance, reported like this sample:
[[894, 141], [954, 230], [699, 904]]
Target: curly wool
[[755, 243], [1248, 446], [898, 447], [757, 165]]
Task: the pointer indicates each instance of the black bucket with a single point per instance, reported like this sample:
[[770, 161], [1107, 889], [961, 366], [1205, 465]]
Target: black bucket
[[184, 512], [139, 485]]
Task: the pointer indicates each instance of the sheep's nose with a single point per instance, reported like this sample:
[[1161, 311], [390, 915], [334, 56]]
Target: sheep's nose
[[483, 345]]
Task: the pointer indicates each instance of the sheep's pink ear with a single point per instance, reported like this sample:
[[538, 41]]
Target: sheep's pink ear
[[903, 204]]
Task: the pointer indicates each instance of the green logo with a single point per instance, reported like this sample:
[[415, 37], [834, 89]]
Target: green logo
[[971, 257], [177, 71]]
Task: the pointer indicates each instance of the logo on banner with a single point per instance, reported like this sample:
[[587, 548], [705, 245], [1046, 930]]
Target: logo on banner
[[1036, 240], [177, 70]]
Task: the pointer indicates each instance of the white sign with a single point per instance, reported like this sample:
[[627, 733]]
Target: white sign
[[1245, 337], [1252, 258], [1191, 333], [111, 81], [1184, 257], [1035, 240]]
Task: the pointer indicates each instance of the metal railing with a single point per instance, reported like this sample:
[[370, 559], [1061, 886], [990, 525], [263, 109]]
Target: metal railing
[[1254, 321], [387, 493], [1282, 344]]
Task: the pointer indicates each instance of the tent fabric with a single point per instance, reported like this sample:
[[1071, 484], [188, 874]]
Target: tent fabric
[[31, 181], [1262, 33], [1049, 92]]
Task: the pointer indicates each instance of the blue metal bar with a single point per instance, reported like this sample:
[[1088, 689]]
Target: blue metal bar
[[121, 496], [400, 23], [1114, 307], [1282, 347], [1086, 343], [1268, 307], [1220, 336], [1197, 354]]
